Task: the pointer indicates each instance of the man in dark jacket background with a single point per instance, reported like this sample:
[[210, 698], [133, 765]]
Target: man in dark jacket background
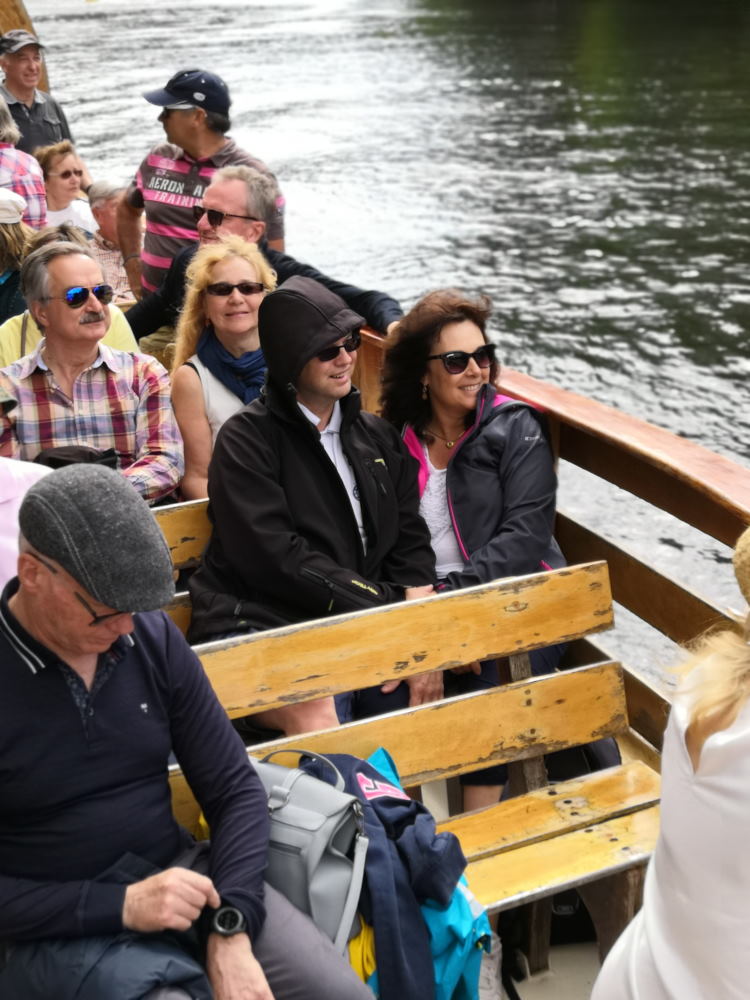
[[313, 502], [239, 201]]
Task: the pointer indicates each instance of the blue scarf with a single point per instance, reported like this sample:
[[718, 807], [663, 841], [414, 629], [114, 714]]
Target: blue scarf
[[243, 376]]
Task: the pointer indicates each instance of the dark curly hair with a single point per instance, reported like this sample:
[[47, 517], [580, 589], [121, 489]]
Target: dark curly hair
[[414, 340]]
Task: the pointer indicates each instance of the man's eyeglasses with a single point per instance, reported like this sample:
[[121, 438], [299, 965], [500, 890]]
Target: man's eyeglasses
[[216, 218], [66, 174], [78, 295], [456, 362], [224, 288], [96, 619], [350, 345]]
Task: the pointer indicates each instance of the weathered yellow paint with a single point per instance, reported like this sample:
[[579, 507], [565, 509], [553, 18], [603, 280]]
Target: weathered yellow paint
[[348, 652], [514, 722], [548, 812], [544, 867]]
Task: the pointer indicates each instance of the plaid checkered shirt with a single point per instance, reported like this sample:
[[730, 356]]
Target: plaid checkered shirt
[[122, 401], [22, 174]]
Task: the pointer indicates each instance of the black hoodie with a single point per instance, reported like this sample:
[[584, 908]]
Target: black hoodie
[[285, 545]]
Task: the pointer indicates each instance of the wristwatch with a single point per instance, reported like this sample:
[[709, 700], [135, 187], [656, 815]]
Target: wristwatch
[[227, 921]]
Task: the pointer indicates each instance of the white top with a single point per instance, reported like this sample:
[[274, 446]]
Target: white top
[[15, 478], [434, 509], [691, 939], [219, 401], [330, 438], [78, 213]]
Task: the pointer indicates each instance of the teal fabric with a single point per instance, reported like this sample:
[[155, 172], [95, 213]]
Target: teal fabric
[[458, 934]]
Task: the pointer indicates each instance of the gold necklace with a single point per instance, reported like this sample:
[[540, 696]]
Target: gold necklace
[[446, 441]]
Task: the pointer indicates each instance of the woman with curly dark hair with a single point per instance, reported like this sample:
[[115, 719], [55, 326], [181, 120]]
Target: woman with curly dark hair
[[486, 469]]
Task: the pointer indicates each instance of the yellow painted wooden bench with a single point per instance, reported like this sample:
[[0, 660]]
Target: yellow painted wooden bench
[[550, 838]]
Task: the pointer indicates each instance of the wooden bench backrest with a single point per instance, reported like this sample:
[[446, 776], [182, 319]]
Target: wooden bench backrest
[[347, 652], [186, 528], [509, 723], [513, 722]]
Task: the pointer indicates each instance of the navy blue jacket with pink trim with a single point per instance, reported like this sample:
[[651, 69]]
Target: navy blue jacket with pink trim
[[501, 486]]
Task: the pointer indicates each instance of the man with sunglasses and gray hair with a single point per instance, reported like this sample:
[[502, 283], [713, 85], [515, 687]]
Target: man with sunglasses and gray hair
[[171, 180], [102, 893], [74, 391], [241, 201], [314, 503]]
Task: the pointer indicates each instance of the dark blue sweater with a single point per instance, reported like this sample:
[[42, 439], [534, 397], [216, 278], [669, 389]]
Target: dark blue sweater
[[76, 794]]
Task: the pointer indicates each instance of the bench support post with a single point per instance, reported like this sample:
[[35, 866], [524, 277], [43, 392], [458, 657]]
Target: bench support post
[[612, 903]]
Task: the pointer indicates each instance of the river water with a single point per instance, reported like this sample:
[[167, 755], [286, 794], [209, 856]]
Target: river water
[[586, 163]]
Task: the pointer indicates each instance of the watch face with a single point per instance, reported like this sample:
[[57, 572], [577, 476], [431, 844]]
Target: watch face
[[228, 920]]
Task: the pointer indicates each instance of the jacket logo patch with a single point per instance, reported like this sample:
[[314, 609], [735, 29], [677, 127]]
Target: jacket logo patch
[[379, 789], [364, 586], [144, 707]]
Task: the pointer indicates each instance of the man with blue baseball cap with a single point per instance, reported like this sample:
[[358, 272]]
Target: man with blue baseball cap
[[171, 180]]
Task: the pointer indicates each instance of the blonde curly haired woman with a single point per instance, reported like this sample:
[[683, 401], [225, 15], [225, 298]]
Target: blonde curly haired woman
[[218, 365], [690, 939]]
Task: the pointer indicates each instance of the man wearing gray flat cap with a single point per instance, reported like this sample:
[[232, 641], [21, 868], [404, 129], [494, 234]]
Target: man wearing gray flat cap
[[102, 894]]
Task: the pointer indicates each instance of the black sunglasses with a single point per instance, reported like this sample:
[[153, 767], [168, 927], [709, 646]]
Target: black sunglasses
[[456, 362], [96, 619], [224, 288], [66, 174], [76, 296], [350, 345], [216, 218]]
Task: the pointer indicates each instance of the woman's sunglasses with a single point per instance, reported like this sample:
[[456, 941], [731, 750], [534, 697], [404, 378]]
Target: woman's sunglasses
[[456, 362], [224, 288], [216, 218], [76, 296], [350, 345], [66, 174]]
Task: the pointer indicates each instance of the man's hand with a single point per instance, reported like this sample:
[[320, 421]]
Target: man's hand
[[475, 667], [233, 970], [171, 900], [422, 688], [414, 593]]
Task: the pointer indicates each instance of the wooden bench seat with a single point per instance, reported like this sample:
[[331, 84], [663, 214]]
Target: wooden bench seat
[[522, 849]]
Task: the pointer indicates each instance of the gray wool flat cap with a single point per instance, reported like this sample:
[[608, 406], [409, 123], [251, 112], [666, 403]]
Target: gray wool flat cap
[[92, 521]]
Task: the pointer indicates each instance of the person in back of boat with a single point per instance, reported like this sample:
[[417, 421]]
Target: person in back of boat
[[104, 197], [20, 172], [20, 334], [40, 119], [241, 201], [171, 181], [218, 366], [313, 502], [690, 938], [487, 478], [13, 237], [75, 393], [102, 893], [62, 180]]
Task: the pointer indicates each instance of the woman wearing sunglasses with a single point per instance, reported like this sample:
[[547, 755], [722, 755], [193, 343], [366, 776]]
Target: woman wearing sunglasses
[[62, 180], [486, 474], [218, 365]]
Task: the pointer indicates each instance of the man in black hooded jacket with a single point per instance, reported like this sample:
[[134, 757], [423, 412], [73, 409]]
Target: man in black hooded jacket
[[313, 502]]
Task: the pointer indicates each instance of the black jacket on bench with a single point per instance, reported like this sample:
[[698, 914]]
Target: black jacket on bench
[[285, 545]]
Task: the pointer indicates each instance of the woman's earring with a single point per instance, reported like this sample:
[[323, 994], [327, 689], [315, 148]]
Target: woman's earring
[[425, 390]]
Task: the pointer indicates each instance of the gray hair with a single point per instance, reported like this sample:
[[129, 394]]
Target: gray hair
[[262, 190], [9, 131], [103, 191], [34, 270]]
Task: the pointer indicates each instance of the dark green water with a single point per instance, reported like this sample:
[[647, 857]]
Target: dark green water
[[584, 162]]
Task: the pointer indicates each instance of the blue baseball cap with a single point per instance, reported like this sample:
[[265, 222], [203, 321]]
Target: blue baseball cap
[[193, 88]]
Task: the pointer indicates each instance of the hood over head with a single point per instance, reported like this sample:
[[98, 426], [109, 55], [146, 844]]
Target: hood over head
[[296, 322]]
